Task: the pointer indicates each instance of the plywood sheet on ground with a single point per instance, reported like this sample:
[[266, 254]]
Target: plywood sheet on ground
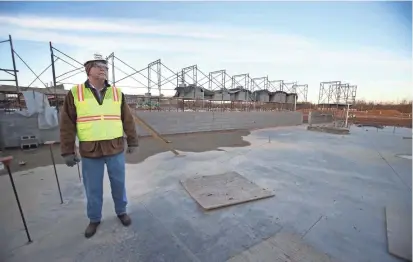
[[283, 247], [399, 232], [223, 190]]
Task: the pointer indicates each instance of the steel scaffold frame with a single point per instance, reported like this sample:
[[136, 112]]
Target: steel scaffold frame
[[215, 80], [13, 72], [336, 92], [301, 91]]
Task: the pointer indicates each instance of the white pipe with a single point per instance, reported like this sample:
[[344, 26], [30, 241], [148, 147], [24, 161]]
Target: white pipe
[[348, 107], [295, 102], [113, 68]]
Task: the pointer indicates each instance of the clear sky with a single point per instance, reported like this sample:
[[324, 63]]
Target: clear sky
[[368, 44]]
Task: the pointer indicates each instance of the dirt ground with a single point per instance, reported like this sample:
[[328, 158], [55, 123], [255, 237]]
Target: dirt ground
[[384, 121], [372, 119], [196, 142]]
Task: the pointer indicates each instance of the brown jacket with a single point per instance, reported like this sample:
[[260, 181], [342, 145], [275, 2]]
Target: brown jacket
[[95, 148]]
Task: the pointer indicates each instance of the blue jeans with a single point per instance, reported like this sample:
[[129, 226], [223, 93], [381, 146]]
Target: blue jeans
[[92, 169]]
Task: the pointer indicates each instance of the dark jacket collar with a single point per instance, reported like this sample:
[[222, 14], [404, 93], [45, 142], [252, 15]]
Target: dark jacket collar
[[87, 84]]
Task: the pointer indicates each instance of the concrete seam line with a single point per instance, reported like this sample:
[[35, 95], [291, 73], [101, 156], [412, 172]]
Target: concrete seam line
[[184, 247], [311, 227]]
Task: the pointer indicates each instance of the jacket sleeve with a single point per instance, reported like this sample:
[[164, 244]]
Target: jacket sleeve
[[129, 126], [68, 126]]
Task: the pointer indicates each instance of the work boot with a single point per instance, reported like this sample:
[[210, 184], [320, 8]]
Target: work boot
[[91, 229], [125, 219]]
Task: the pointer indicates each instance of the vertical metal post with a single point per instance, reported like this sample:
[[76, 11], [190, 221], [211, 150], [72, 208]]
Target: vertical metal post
[[78, 171], [149, 78], [54, 75], [6, 162], [348, 108], [295, 101], [15, 71], [159, 75], [177, 85], [223, 90], [210, 81], [113, 68], [177, 79], [55, 172], [14, 64]]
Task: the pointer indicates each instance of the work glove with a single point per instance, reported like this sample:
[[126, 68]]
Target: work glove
[[71, 160], [131, 149]]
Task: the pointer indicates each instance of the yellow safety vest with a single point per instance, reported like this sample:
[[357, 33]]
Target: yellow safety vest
[[98, 122]]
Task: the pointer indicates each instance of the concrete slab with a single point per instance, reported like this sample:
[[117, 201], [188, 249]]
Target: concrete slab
[[223, 190], [283, 247], [331, 191], [211, 236]]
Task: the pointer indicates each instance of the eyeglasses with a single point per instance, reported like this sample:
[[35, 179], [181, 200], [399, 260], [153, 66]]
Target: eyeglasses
[[100, 65]]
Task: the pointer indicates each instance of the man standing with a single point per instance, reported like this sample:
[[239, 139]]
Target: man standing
[[97, 113]]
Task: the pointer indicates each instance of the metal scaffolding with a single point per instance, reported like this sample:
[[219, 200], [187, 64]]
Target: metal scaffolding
[[352, 94], [336, 93], [13, 72], [275, 85], [111, 62], [55, 56], [259, 83], [301, 91], [289, 87], [217, 80], [241, 81], [192, 75], [156, 78], [157, 65]]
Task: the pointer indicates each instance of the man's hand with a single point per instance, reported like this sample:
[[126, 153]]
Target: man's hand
[[131, 149], [71, 160]]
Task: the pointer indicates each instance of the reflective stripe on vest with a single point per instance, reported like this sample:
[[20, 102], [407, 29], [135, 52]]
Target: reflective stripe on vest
[[97, 122]]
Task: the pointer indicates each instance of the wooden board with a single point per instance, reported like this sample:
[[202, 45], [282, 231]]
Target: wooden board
[[154, 133], [399, 232], [223, 190], [283, 247]]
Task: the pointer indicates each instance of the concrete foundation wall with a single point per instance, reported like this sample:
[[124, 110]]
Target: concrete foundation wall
[[240, 96], [188, 122], [262, 97], [13, 126], [291, 98], [193, 93], [315, 117], [219, 96], [278, 98]]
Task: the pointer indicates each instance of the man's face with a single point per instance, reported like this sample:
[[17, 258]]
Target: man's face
[[99, 70]]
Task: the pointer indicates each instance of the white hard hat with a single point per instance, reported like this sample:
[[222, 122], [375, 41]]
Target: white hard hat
[[96, 58]]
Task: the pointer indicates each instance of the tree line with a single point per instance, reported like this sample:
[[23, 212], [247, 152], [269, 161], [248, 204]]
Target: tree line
[[403, 106]]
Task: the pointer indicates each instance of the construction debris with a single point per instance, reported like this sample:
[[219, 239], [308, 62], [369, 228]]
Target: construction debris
[[329, 129]]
